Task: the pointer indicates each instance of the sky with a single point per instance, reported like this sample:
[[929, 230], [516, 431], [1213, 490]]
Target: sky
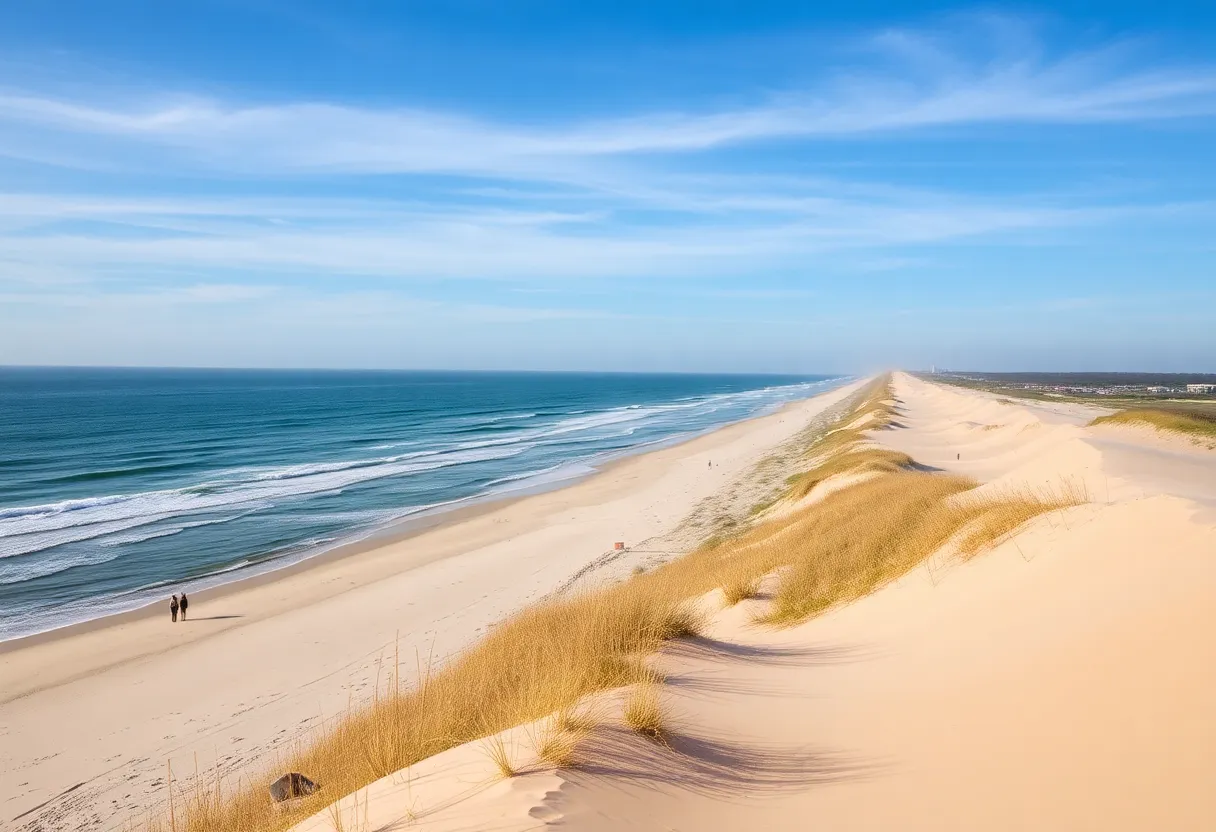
[[669, 186]]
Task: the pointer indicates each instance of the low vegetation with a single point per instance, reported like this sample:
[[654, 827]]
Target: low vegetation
[[862, 461], [644, 713], [559, 742], [740, 589], [537, 663], [1200, 427], [541, 662], [496, 749], [863, 537]]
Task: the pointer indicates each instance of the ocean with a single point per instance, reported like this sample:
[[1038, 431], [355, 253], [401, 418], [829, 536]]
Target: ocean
[[119, 486]]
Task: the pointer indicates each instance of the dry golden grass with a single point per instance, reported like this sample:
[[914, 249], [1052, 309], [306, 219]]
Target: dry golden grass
[[560, 750], [682, 622], [850, 461], [644, 713], [541, 662], [496, 749], [740, 588], [559, 740], [990, 518], [537, 663], [1195, 426], [571, 721], [845, 548], [337, 815], [858, 539]]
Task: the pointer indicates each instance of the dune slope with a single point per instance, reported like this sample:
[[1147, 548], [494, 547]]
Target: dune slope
[[1063, 680]]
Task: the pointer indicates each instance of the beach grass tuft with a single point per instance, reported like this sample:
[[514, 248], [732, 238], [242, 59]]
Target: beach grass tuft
[[645, 715], [559, 742], [496, 749], [740, 588], [573, 721]]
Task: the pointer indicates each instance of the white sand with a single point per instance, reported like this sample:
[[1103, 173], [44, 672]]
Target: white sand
[[99, 712], [1063, 681]]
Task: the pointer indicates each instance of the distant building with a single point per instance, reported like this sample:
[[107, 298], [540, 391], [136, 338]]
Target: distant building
[[1201, 388], [1159, 389]]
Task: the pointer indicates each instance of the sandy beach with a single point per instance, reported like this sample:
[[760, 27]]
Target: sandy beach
[[91, 717], [1061, 680]]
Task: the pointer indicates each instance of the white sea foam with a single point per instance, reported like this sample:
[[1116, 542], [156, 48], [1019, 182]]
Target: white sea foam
[[138, 537], [35, 528], [26, 570], [581, 435], [30, 529]]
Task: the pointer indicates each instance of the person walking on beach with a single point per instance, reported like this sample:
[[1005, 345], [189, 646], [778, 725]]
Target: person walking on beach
[[173, 608], [182, 605]]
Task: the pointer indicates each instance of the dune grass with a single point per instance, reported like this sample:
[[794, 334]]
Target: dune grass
[[644, 713], [496, 749], [537, 663], [542, 661], [859, 461], [863, 537], [991, 517], [559, 742], [740, 588], [1199, 427]]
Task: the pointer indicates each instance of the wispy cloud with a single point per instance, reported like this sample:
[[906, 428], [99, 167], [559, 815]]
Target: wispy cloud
[[383, 239], [914, 80], [330, 213]]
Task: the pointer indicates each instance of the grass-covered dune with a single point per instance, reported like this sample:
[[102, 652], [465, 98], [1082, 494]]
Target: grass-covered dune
[[826, 551], [1198, 426]]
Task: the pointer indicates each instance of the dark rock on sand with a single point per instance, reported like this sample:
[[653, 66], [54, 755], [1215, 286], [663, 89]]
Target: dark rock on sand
[[291, 786]]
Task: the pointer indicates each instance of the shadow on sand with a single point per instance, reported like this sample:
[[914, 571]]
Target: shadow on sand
[[701, 680], [772, 655], [716, 767]]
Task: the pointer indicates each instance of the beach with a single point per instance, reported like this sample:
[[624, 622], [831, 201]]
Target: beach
[[94, 716], [1060, 679]]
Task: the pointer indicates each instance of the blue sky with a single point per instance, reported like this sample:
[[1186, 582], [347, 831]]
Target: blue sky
[[710, 186]]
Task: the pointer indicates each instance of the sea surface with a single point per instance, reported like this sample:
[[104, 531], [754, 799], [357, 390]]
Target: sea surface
[[121, 486]]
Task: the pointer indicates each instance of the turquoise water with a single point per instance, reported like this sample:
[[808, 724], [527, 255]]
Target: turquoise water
[[118, 486]]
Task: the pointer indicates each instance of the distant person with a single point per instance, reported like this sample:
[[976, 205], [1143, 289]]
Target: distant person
[[183, 604], [173, 608]]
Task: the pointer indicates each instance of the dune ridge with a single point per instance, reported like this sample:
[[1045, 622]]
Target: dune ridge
[[935, 689]]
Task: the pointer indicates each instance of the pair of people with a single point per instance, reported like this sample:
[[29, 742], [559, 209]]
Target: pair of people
[[176, 605]]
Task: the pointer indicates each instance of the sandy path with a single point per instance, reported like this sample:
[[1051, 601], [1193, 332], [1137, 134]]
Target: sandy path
[[1062, 681], [99, 712]]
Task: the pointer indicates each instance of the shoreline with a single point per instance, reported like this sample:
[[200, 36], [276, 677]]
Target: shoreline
[[395, 532], [389, 535], [264, 662], [375, 542]]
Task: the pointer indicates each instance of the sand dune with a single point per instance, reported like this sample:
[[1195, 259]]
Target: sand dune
[[1063, 680]]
